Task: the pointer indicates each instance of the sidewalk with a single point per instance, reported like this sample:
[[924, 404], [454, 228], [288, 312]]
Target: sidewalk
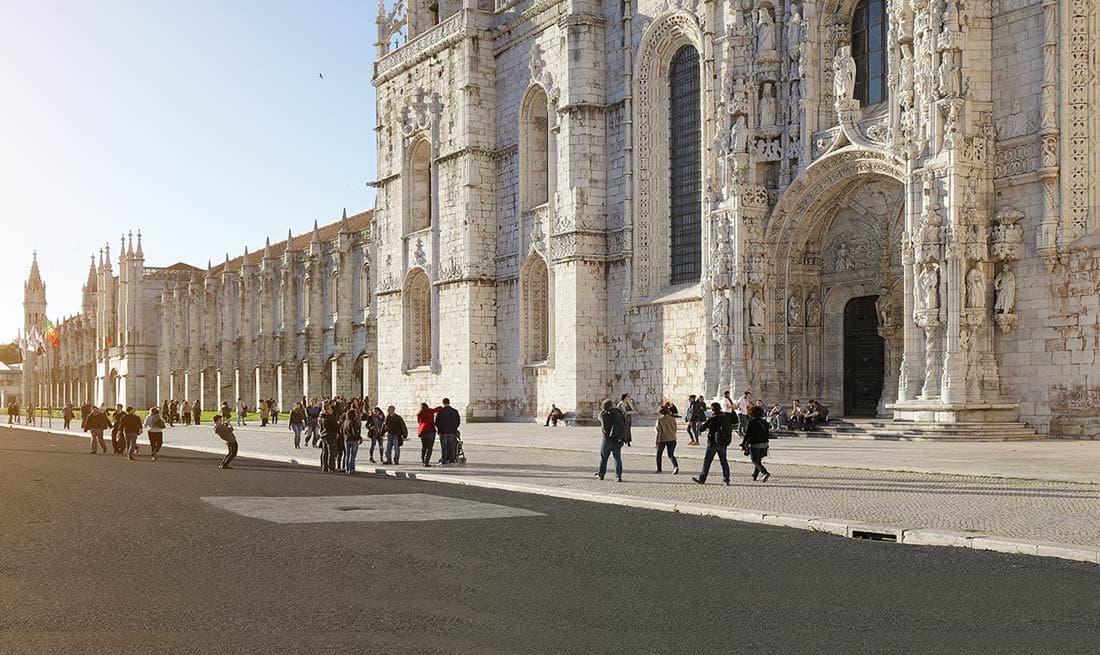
[[975, 509]]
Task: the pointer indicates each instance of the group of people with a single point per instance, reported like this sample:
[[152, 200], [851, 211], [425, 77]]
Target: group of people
[[719, 423], [337, 426], [15, 412]]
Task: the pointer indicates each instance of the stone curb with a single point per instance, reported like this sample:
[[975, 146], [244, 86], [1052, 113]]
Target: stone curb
[[840, 527]]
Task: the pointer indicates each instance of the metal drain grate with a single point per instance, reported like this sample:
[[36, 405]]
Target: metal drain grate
[[869, 535]]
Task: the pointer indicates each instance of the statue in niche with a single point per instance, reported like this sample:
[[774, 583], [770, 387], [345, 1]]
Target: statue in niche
[[756, 311], [844, 73], [1004, 286], [975, 289], [813, 310], [844, 259], [929, 288], [950, 76], [765, 30], [884, 307], [739, 136], [905, 87], [794, 30], [794, 311], [794, 104], [767, 105], [720, 317]]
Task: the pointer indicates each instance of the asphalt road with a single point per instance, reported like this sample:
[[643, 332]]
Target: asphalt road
[[102, 555]]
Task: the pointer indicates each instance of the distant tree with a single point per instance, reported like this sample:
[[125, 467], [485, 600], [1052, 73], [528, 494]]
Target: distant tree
[[9, 353]]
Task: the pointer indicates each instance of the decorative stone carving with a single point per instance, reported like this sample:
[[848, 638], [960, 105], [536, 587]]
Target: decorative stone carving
[[950, 77], [1008, 236], [794, 311], [844, 74], [756, 311], [813, 310], [765, 34], [1004, 288], [767, 105], [794, 31], [419, 256], [720, 317], [929, 292], [975, 289]]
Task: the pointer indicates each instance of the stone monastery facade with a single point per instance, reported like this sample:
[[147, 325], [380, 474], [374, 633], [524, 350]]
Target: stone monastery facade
[[290, 320], [887, 205]]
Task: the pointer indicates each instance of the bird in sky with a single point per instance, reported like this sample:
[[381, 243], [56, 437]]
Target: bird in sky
[[321, 75]]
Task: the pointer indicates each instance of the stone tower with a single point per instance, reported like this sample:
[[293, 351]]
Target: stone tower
[[34, 318]]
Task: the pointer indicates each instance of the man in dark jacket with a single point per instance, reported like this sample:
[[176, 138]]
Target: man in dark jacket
[[118, 437], [223, 429], [396, 432], [330, 430], [96, 423], [131, 427], [447, 420], [613, 426], [719, 427]]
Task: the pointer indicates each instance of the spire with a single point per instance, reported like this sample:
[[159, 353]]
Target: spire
[[121, 248], [267, 248], [101, 257], [344, 222], [209, 269], [34, 280], [130, 249], [139, 244], [316, 232], [90, 285]]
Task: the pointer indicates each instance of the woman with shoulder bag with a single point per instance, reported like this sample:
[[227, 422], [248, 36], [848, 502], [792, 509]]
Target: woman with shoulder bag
[[353, 436], [755, 442]]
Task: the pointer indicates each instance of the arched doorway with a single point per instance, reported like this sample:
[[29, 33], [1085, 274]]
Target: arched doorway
[[864, 357]]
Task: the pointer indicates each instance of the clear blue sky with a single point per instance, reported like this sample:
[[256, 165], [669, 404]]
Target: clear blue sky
[[202, 122]]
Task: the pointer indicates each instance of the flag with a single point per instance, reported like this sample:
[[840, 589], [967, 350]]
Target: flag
[[108, 342], [53, 333], [33, 340], [22, 346]]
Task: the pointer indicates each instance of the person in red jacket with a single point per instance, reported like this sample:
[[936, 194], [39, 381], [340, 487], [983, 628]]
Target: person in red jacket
[[425, 429]]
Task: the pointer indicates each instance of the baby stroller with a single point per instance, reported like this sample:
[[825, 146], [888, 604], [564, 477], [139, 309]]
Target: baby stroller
[[460, 455]]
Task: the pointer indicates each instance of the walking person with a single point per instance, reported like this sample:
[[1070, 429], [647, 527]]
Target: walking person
[[425, 429], [330, 429], [131, 427], [719, 427], [613, 427], [447, 420], [376, 423], [242, 412], [755, 442], [265, 413], [353, 436], [297, 421], [96, 423], [396, 433], [666, 438], [118, 437], [744, 403], [154, 425], [626, 406], [226, 412], [173, 413], [223, 429], [274, 409], [186, 412], [313, 422], [197, 410], [694, 416], [67, 414]]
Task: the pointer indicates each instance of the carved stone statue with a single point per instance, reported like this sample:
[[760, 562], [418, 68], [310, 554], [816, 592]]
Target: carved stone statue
[[756, 311], [813, 310], [794, 311], [767, 105], [794, 104], [794, 30], [884, 307], [739, 136], [950, 82], [1004, 285], [720, 316], [844, 261], [844, 73], [975, 289], [765, 30], [929, 288]]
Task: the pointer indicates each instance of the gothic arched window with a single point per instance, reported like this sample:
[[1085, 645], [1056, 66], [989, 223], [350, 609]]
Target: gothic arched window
[[535, 305], [335, 292], [364, 288], [418, 321], [420, 187], [685, 167], [869, 51], [534, 150]]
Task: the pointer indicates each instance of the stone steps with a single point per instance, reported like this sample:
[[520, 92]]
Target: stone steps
[[888, 430]]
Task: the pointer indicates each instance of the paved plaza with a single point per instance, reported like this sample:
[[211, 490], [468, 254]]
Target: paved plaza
[[886, 485]]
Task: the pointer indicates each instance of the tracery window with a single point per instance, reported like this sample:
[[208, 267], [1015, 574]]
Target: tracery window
[[869, 50], [535, 304], [685, 167], [364, 288], [418, 321], [335, 307], [534, 155], [420, 187]]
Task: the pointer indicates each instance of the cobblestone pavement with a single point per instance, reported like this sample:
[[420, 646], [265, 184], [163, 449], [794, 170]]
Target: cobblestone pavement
[[1039, 510]]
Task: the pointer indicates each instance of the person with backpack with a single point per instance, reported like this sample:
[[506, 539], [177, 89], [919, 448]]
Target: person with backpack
[[353, 436], [154, 425], [719, 427], [613, 427], [223, 429], [755, 442]]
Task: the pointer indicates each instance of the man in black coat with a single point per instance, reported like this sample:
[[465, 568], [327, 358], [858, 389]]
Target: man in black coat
[[131, 427], [719, 427], [447, 420]]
